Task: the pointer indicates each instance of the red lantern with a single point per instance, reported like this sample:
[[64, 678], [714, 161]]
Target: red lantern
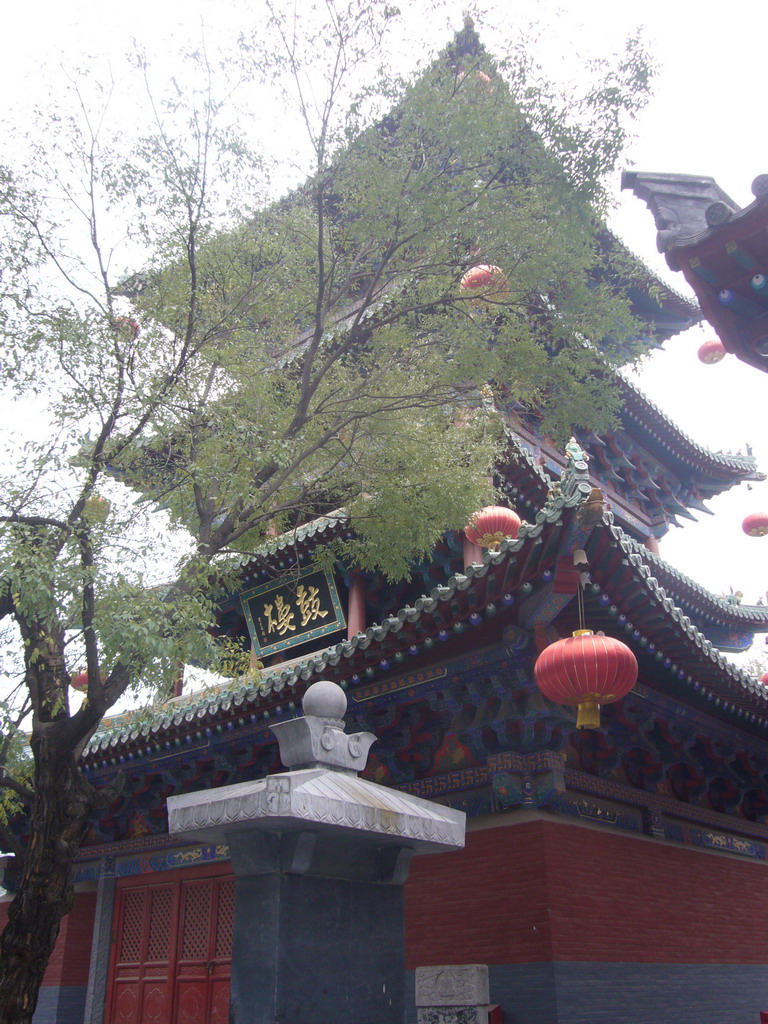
[[482, 80], [79, 681], [126, 323], [764, 678], [586, 670], [491, 525], [712, 351], [489, 282], [756, 524], [97, 509]]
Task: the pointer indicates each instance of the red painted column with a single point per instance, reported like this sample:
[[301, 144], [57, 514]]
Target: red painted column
[[356, 607], [652, 544], [472, 553]]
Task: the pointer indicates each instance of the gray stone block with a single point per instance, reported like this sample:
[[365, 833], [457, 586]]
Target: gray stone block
[[461, 985], [313, 950]]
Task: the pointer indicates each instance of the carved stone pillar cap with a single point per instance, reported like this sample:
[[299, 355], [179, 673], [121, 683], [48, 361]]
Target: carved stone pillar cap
[[321, 794], [318, 739], [317, 800]]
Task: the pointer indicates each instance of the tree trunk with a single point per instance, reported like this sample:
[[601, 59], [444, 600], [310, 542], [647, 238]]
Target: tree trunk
[[46, 892]]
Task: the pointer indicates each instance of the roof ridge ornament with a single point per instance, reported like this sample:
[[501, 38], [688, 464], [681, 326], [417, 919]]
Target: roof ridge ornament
[[574, 482]]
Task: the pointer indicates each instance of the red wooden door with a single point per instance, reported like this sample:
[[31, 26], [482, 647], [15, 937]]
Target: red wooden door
[[172, 949], [205, 951]]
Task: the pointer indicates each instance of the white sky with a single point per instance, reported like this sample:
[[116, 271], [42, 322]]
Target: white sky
[[707, 117]]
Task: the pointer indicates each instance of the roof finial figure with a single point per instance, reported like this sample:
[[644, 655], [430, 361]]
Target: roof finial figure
[[466, 42], [575, 452]]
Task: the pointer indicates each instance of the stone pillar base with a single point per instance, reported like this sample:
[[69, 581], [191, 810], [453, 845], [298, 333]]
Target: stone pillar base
[[452, 1015], [452, 994]]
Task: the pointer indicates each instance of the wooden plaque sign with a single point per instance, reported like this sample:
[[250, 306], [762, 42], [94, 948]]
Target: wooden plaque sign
[[284, 613]]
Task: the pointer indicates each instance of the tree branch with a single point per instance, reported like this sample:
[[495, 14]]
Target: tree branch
[[8, 782]]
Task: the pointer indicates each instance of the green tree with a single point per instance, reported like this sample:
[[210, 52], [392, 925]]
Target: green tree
[[267, 361], [16, 767]]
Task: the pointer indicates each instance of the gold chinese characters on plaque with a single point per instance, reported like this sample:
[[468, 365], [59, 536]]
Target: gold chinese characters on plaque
[[293, 610]]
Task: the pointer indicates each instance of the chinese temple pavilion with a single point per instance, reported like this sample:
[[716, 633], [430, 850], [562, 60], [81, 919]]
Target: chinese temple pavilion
[[612, 874], [609, 875]]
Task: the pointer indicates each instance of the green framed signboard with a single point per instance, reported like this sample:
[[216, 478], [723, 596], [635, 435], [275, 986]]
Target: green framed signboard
[[287, 612]]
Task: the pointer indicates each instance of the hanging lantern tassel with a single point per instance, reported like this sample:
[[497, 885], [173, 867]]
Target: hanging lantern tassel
[[586, 670], [588, 712]]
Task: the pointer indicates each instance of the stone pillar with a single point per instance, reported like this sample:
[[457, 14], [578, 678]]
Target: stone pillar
[[455, 994], [328, 945], [320, 858], [96, 996]]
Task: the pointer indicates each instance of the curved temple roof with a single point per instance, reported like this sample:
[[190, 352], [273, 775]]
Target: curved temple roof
[[651, 470], [653, 422], [623, 597], [729, 624], [721, 249]]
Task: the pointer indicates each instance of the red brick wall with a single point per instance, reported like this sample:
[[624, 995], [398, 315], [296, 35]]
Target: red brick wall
[[485, 904], [548, 891], [618, 899], [72, 956]]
